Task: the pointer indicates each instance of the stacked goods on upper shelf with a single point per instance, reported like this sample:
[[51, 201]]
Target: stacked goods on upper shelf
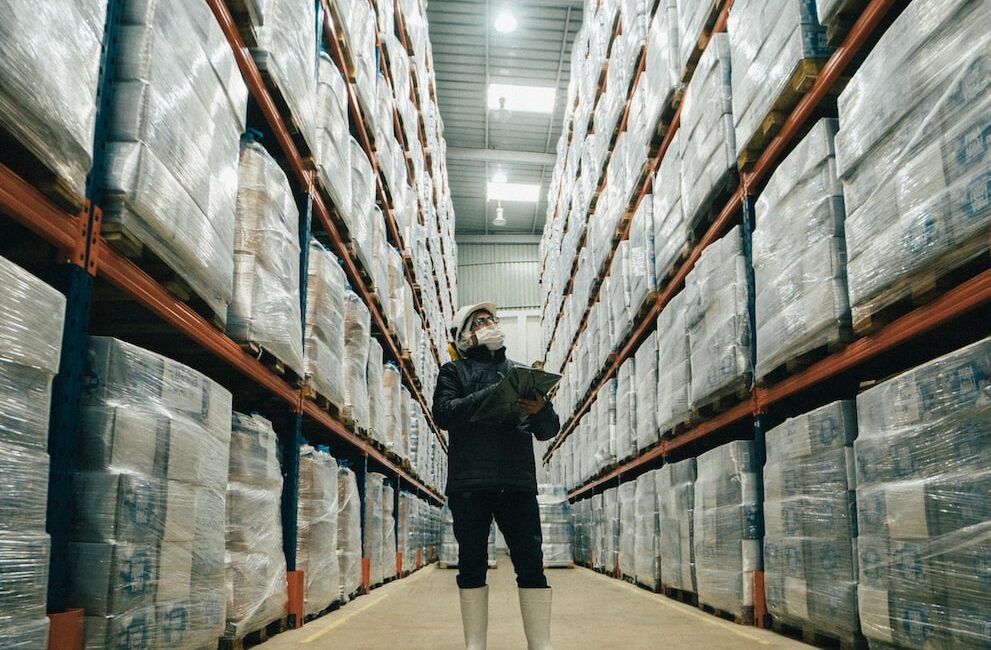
[[372, 540], [316, 524], [147, 560], [800, 255], [376, 400], [48, 103], [776, 47], [912, 155], [324, 343], [256, 565], [923, 475], [176, 108], [645, 564], [718, 322], [286, 53], [265, 308], [662, 74], [810, 531], [357, 341], [727, 528], [30, 348], [676, 511], [555, 525], [358, 218], [392, 396], [671, 232], [333, 150], [348, 532]]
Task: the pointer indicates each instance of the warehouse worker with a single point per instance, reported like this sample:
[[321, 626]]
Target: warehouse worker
[[491, 474]]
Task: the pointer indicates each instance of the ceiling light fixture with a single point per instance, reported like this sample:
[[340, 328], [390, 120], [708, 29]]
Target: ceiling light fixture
[[499, 177], [499, 220], [505, 22], [515, 192], [526, 99]]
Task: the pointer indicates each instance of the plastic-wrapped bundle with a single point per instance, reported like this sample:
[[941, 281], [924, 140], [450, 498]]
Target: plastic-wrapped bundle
[[360, 26], [287, 52], [389, 541], [766, 55], [333, 134], [265, 306], [348, 531], [800, 254], [646, 567], [405, 522], [256, 565], [671, 233], [627, 527], [646, 392], [359, 215], [810, 533], [147, 557], [177, 109], [611, 529], [392, 383], [923, 478], [404, 430], [663, 70], [728, 528], [324, 348], [708, 144], [378, 263], [674, 370], [693, 18], [912, 152], [718, 321], [357, 339], [372, 542], [626, 410], [50, 56], [376, 400], [641, 275], [555, 525], [676, 511], [316, 545], [397, 296]]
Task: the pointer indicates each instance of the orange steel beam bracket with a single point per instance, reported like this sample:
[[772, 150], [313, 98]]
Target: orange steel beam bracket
[[25, 204]]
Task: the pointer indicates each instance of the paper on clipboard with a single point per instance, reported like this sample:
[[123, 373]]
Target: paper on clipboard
[[519, 382]]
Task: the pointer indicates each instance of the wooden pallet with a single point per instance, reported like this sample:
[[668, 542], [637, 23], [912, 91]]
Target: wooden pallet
[[271, 362], [241, 13], [334, 606], [291, 120], [702, 43], [809, 634], [744, 617], [843, 20], [679, 428], [722, 403], [128, 245], [805, 73], [802, 361], [682, 596], [948, 270], [349, 66], [680, 256], [257, 637], [655, 588], [713, 204], [28, 166], [322, 402], [664, 122]]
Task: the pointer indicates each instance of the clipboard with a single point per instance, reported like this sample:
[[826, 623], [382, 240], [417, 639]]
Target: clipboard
[[520, 381]]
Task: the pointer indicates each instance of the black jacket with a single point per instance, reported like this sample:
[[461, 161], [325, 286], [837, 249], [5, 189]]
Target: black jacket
[[495, 454]]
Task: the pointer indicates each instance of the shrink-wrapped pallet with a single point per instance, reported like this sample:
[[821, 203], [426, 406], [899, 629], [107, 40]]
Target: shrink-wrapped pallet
[[675, 484], [674, 370], [372, 539], [324, 345], [358, 216], [626, 410], [662, 72], [357, 341], [671, 232], [316, 545], [348, 532], [641, 277], [646, 392], [392, 396], [376, 399], [333, 149], [555, 525], [389, 541], [646, 567], [265, 308], [611, 527]]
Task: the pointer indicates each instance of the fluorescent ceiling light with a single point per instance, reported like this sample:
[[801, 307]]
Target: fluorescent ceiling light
[[518, 192], [528, 99], [505, 22], [499, 178]]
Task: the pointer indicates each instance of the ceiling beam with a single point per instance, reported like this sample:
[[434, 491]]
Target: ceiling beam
[[500, 155]]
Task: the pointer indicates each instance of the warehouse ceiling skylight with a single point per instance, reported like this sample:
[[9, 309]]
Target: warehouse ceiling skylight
[[526, 99], [518, 192]]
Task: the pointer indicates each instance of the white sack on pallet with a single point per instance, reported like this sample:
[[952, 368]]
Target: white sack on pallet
[[641, 273], [923, 475], [662, 73], [357, 341], [376, 400], [800, 254], [358, 216], [392, 383], [626, 410], [265, 307], [348, 532], [675, 487], [49, 69], [256, 563], [646, 392], [671, 232], [316, 527], [646, 567], [324, 345], [674, 370], [333, 150], [912, 152]]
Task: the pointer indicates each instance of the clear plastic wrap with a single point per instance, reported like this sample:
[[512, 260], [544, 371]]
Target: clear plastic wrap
[[766, 54], [392, 396], [646, 565], [358, 217], [316, 529], [693, 18], [923, 475], [800, 254], [396, 303], [376, 399], [348, 532], [287, 47], [727, 528], [641, 274], [147, 556], [674, 369], [718, 321], [256, 564], [372, 541], [265, 305], [403, 431], [333, 151], [662, 72], [357, 339], [646, 393], [610, 530], [671, 233], [177, 109], [324, 344], [555, 525], [708, 142], [810, 573], [912, 152], [389, 541], [50, 56], [675, 487], [626, 410]]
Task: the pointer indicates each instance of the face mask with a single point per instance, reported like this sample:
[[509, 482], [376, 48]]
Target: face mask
[[490, 337]]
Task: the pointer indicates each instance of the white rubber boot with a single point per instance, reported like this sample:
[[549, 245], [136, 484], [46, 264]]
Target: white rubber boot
[[475, 616], [535, 605]]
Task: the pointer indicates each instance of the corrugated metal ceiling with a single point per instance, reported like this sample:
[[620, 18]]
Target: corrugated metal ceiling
[[468, 54]]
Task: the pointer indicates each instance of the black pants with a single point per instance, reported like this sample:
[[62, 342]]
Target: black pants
[[518, 517]]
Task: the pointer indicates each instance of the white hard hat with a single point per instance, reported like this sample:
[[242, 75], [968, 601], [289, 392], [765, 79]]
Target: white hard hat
[[462, 315]]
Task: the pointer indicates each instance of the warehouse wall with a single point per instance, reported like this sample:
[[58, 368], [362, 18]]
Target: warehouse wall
[[505, 274]]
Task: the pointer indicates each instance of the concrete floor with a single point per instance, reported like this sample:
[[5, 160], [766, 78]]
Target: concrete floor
[[590, 611]]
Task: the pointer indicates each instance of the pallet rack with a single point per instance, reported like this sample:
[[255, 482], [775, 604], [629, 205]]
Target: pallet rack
[[84, 261], [957, 317]]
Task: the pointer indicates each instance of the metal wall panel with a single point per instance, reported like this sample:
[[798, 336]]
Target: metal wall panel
[[506, 274]]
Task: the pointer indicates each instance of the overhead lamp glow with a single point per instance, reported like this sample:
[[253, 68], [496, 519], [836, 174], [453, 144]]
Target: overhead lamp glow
[[505, 22], [499, 220], [499, 178], [527, 99], [517, 192]]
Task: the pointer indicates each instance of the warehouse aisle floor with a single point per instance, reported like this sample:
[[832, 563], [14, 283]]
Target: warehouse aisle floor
[[590, 612]]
